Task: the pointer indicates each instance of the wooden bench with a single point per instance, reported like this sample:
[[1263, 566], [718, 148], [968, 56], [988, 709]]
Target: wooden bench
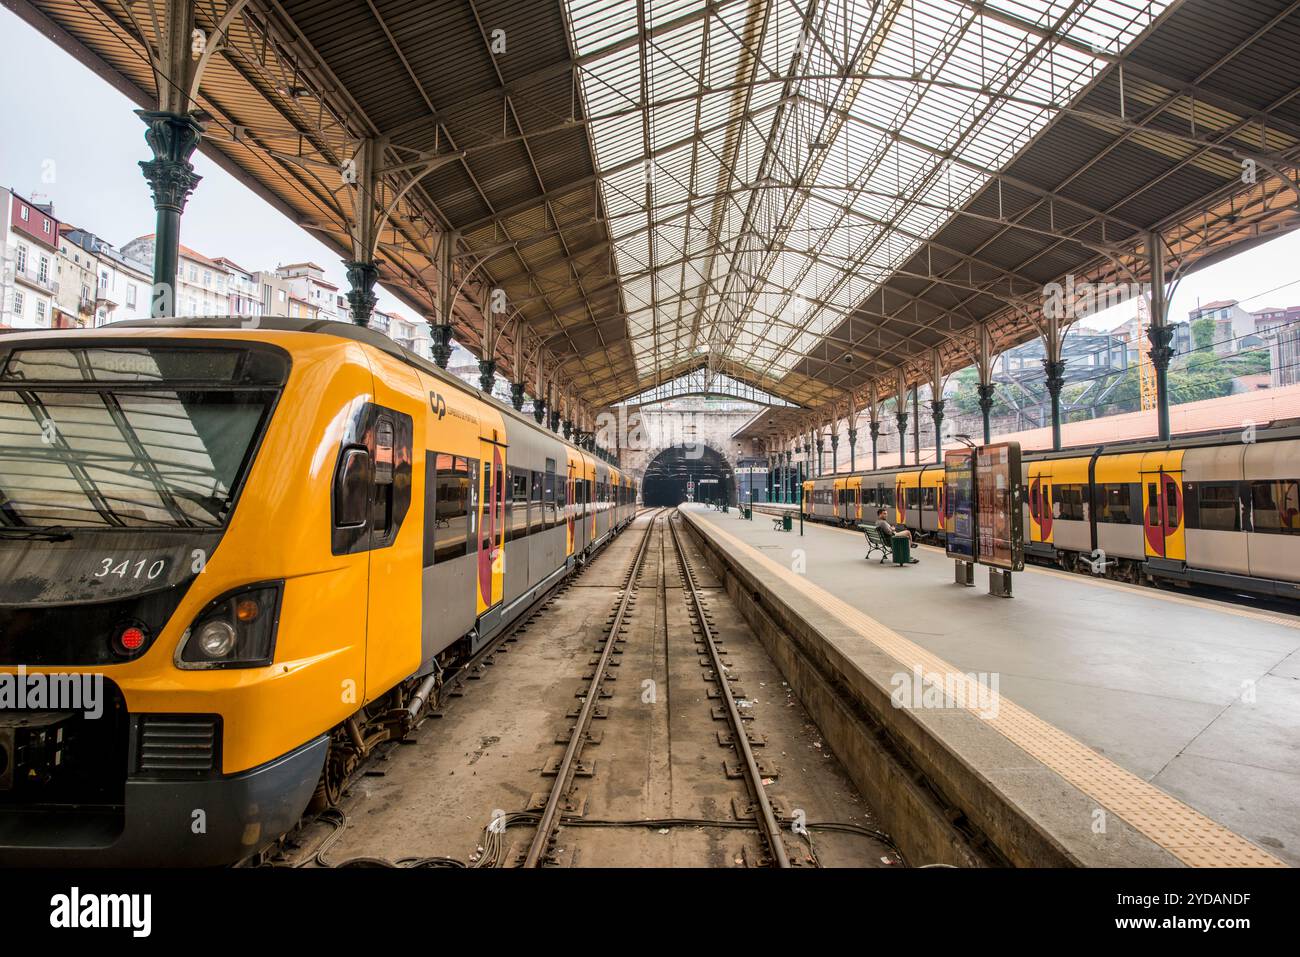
[[876, 542]]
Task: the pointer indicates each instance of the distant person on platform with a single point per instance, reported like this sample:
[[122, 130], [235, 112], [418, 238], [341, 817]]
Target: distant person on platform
[[889, 532]]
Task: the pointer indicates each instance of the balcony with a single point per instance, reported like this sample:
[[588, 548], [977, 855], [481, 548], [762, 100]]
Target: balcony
[[29, 277]]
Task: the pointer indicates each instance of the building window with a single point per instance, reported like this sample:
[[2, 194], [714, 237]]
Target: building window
[[18, 304], [130, 294], [25, 213], [194, 273], [40, 312], [20, 258], [281, 296], [103, 280], [45, 224], [43, 270]]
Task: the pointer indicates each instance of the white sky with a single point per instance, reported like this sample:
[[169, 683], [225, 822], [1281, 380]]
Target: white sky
[[66, 136]]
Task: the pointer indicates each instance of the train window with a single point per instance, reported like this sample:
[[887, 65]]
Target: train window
[[489, 501], [1115, 504], [1275, 506], [885, 495], [1153, 505], [552, 518], [352, 489], [913, 495], [1215, 507], [451, 508], [517, 526], [561, 497], [1069, 503], [928, 500], [536, 518]]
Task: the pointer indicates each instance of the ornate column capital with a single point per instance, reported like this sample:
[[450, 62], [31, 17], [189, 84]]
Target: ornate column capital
[[362, 277], [487, 374], [173, 137]]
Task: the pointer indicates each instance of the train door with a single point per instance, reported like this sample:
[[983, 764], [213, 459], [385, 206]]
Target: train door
[[570, 505], [1162, 505], [1040, 502], [491, 525]]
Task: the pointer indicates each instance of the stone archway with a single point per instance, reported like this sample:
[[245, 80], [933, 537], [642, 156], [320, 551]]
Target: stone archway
[[680, 471]]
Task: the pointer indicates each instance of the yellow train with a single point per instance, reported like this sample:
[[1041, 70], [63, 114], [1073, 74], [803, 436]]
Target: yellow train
[[1219, 509], [232, 560]]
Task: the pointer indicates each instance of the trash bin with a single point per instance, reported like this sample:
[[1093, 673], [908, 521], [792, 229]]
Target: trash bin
[[746, 512], [902, 550], [724, 508], [787, 523]]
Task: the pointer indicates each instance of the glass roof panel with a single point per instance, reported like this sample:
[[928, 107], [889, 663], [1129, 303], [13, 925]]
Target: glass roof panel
[[765, 167]]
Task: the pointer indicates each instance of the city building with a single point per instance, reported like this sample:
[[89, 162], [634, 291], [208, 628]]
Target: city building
[[125, 287], [29, 235], [307, 284], [412, 334], [1280, 329], [201, 283], [243, 292], [77, 269], [273, 292], [1234, 327]]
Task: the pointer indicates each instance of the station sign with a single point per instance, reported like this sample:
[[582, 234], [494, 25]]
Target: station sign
[[959, 504], [1000, 540]]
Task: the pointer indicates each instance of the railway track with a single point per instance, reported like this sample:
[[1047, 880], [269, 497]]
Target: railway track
[[579, 735], [562, 797]]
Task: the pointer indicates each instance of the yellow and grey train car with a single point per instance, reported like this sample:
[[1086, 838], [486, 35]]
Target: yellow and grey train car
[[254, 553], [1212, 509], [911, 496]]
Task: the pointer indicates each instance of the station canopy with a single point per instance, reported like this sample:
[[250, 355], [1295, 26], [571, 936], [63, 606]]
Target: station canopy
[[803, 195]]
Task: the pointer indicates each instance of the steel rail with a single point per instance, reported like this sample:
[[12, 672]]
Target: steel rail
[[763, 807], [550, 817]]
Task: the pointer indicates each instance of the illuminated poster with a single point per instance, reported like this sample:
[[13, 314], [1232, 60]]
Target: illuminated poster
[[1000, 538], [959, 503]]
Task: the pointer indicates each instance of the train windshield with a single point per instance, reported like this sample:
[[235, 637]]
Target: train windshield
[[130, 437]]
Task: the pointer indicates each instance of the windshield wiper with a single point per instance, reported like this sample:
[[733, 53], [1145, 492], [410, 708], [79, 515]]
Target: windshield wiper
[[54, 533]]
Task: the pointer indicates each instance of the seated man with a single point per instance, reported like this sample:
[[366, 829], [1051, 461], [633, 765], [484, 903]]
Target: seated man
[[888, 532]]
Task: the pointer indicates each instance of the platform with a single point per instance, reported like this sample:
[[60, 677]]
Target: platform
[[1165, 710]]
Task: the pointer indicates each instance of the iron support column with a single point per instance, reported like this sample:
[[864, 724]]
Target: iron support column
[[853, 453], [875, 439], [936, 408], [517, 396], [1055, 370], [173, 137], [985, 390], [902, 434], [1160, 333]]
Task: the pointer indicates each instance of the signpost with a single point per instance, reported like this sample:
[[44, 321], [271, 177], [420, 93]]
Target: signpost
[[999, 540]]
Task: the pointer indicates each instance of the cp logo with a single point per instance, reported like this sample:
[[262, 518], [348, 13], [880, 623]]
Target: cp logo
[[438, 403]]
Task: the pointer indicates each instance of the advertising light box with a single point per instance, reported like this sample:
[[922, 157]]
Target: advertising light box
[[1000, 540]]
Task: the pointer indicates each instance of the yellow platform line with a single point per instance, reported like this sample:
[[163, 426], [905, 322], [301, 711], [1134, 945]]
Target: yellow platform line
[[1187, 834], [1141, 591]]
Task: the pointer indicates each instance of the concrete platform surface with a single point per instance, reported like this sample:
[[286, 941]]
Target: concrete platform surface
[[1199, 698]]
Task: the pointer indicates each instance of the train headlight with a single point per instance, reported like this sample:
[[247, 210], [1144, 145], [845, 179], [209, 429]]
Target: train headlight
[[216, 639], [235, 631]]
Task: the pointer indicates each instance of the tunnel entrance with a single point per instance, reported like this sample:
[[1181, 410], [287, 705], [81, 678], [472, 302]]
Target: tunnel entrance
[[695, 472]]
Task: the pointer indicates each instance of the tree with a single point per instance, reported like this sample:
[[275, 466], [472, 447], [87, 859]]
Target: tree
[[1203, 334]]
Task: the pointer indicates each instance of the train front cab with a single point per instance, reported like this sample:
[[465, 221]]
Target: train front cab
[[250, 643]]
